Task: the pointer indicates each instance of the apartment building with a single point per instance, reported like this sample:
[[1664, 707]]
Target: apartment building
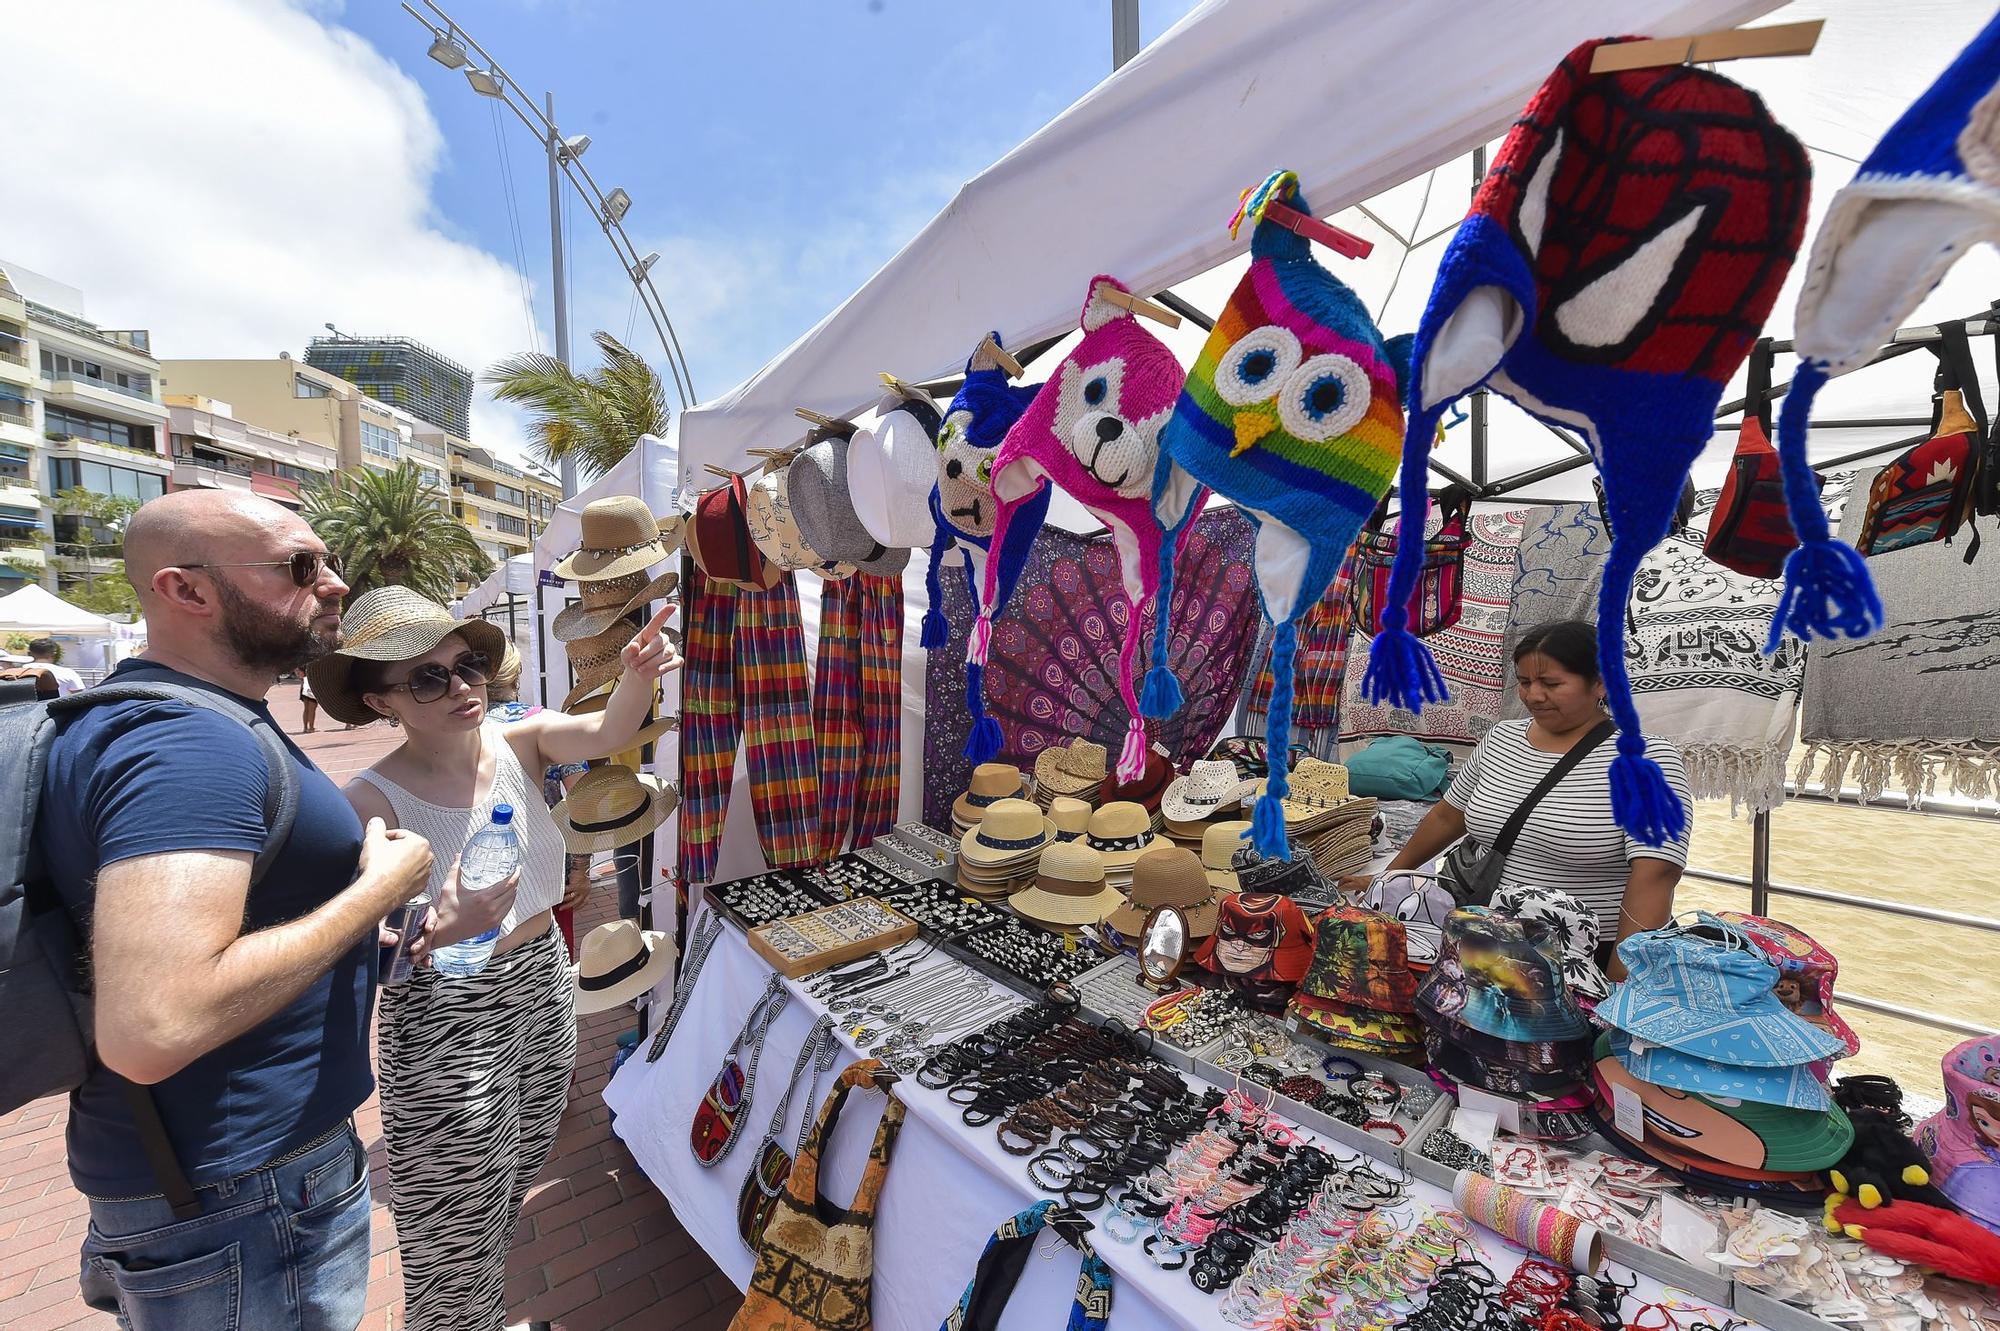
[[402, 372], [505, 506], [80, 407], [211, 449]]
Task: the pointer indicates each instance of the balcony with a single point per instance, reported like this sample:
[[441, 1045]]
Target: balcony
[[70, 445], [190, 473], [14, 366], [106, 399], [14, 411]]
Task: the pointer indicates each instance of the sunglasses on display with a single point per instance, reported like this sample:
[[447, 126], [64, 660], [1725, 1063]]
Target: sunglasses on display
[[305, 565], [428, 683]]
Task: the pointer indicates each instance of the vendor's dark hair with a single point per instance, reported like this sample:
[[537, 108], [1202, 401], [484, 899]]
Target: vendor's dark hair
[[1570, 643]]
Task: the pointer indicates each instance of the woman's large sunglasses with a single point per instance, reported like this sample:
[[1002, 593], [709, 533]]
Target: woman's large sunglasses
[[428, 683], [305, 565]]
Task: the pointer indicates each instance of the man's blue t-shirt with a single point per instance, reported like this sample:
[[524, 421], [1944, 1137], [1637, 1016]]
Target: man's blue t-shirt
[[144, 778]]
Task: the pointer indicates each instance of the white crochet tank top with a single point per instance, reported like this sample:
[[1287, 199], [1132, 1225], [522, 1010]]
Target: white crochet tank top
[[448, 828]]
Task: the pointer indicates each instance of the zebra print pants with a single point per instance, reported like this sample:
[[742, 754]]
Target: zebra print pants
[[475, 1073]]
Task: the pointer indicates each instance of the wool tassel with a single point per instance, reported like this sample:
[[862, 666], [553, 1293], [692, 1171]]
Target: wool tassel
[[937, 630], [1401, 670], [1161, 697], [982, 640], [1641, 800], [1132, 758], [984, 742], [1829, 592], [1267, 818]]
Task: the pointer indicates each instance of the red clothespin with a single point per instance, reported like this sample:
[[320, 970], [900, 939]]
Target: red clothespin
[[1344, 243]]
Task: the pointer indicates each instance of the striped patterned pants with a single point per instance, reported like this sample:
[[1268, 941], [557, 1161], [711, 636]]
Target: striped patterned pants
[[475, 1073], [858, 709], [745, 679]]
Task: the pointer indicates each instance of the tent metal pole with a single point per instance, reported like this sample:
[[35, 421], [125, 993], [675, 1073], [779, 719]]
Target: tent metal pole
[[1186, 311], [1480, 475], [1760, 862], [1521, 478], [1124, 31], [541, 639]]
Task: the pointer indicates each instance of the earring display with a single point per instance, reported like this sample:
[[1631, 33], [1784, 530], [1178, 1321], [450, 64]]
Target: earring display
[[801, 944]]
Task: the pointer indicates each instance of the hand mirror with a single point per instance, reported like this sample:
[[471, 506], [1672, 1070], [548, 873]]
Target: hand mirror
[[1163, 946]]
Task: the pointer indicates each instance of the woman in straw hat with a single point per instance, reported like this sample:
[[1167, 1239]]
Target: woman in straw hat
[[475, 1071]]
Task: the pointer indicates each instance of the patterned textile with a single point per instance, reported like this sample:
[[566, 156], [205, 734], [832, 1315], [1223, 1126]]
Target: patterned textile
[[999, 1269], [858, 709], [1324, 635], [1557, 570], [1917, 706], [818, 1260], [1471, 653], [1046, 680], [746, 678]]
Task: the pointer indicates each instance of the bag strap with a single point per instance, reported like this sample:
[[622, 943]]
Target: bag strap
[[281, 810], [1957, 372], [1566, 764], [1757, 384]]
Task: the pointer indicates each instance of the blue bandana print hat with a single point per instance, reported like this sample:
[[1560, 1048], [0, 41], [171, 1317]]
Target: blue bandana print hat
[[1794, 1087], [1706, 990]]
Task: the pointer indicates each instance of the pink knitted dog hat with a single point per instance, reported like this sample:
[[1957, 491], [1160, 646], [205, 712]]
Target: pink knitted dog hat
[[1093, 429]]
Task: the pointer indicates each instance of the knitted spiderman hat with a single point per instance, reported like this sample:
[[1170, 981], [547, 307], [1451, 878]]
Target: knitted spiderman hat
[[1294, 412], [1929, 192], [975, 422], [1616, 266], [1094, 430]]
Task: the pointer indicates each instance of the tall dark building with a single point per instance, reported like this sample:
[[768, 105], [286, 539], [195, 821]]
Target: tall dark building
[[402, 372]]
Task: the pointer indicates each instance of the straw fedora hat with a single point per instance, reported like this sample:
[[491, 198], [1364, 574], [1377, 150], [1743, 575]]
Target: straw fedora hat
[[1069, 890], [1169, 876], [1071, 769], [605, 601], [1071, 817], [617, 962], [1009, 830], [620, 536], [1219, 844], [1209, 787], [595, 659], [651, 734], [613, 806], [1121, 832], [768, 514], [391, 624], [990, 782]]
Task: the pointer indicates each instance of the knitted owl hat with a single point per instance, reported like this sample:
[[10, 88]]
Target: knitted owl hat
[[1615, 269], [1929, 192], [1293, 411], [1094, 430]]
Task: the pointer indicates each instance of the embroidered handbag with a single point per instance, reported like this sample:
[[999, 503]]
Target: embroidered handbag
[[817, 1262], [1750, 530], [1928, 493], [1440, 595], [771, 1164], [718, 1119]]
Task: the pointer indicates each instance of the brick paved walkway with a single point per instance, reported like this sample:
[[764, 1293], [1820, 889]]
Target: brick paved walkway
[[597, 1248]]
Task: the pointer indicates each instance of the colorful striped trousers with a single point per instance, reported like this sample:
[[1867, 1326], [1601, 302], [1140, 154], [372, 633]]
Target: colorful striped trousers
[[858, 709]]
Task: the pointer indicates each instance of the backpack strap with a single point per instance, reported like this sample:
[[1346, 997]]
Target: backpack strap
[[1757, 384], [1958, 372], [281, 810]]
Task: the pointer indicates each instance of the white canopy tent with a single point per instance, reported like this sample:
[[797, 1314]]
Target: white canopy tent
[[515, 577], [35, 610]]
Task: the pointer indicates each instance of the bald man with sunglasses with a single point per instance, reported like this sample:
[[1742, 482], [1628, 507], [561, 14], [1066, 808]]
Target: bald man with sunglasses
[[243, 1009]]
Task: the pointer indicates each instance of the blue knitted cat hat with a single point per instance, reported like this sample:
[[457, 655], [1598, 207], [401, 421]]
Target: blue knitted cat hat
[[1293, 411], [962, 508], [1616, 267]]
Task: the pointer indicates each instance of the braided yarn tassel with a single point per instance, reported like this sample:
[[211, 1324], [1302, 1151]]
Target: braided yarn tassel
[[1267, 818], [1401, 670], [937, 630], [984, 742], [1829, 592], [1161, 697], [1641, 800]]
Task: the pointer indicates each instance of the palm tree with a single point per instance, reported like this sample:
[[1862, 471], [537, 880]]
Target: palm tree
[[391, 529], [595, 417]]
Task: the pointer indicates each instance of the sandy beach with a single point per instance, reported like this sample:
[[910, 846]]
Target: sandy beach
[[1940, 862]]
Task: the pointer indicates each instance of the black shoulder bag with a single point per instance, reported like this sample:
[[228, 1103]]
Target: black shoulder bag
[[1471, 873]]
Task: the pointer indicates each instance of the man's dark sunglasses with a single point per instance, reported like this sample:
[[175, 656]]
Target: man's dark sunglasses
[[305, 565], [428, 683]]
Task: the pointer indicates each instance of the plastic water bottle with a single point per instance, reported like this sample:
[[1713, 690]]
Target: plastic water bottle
[[492, 853]]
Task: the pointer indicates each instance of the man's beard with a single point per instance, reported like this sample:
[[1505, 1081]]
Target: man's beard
[[266, 641]]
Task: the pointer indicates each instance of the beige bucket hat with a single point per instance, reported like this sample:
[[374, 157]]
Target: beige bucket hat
[[391, 624]]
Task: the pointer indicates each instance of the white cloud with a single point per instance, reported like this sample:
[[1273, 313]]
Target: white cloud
[[232, 174]]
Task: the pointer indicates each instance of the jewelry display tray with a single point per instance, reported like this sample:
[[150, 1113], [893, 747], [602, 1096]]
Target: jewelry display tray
[[837, 939]]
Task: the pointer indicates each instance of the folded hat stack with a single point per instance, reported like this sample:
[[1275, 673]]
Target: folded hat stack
[[1068, 892], [990, 782], [1075, 771], [1001, 855], [1146, 791], [1699, 1034], [1121, 832], [1498, 1013], [1334, 826], [1212, 789], [1360, 992]]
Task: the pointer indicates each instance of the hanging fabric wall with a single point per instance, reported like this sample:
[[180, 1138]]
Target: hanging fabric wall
[[858, 710], [1471, 654], [1557, 569], [1326, 635], [1047, 675]]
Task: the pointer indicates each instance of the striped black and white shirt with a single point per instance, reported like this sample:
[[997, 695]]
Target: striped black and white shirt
[[1570, 841]]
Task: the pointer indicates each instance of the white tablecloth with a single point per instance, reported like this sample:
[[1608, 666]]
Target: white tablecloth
[[948, 1186]]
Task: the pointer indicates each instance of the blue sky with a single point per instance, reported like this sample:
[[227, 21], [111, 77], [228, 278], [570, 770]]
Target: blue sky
[[777, 154]]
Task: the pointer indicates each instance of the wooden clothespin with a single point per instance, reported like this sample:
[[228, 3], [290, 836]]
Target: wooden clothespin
[[823, 421], [714, 470], [1344, 243], [999, 356], [774, 458], [1139, 305], [909, 392], [1727, 44]]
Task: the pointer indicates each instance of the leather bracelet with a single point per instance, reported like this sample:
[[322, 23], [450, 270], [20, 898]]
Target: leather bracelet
[[1051, 1160]]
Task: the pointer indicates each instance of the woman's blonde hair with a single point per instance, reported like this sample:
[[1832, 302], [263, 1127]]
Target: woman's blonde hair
[[505, 686]]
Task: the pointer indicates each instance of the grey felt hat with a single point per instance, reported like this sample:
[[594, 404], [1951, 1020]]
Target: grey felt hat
[[817, 483]]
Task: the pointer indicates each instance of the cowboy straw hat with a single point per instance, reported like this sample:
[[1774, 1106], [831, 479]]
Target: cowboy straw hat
[[616, 962], [607, 600], [613, 806], [767, 512], [620, 536], [1209, 787], [1008, 831], [825, 511], [891, 471], [1069, 890], [391, 624], [595, 659], [1072, 769]]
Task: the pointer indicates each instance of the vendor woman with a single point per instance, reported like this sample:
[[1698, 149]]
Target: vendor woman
[[1570, 840]]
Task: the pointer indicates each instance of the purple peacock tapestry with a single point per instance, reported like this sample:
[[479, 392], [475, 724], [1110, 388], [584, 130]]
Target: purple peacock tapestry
[[1052, 674]]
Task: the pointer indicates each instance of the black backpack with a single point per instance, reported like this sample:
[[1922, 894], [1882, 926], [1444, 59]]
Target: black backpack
[[44, 960]]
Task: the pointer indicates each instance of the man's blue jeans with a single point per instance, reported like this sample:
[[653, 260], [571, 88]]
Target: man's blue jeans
[[284, 1248]]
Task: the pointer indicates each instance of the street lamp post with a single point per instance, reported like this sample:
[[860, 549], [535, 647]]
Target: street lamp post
[[450, 44]]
